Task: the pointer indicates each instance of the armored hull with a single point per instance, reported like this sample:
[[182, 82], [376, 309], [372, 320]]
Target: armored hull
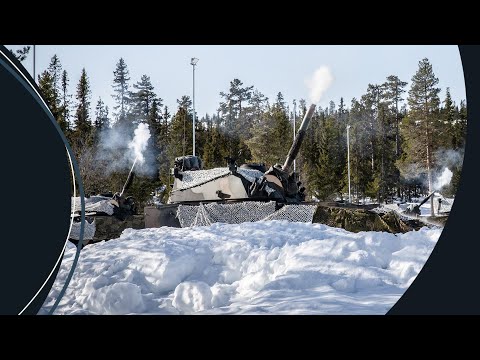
[[233, 194]]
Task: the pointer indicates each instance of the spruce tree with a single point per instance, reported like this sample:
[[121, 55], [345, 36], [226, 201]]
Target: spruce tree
[[47, 90], [342, 112], [51, 87], [82, 118], [55, 70], [448, 114], [65, 103], [120, 87], [215, 149], [269, 143], [258, 103], [162, 144], [165, 124], [181, 130], [461, 125], [236, 119], [101, 116], [143, 98]]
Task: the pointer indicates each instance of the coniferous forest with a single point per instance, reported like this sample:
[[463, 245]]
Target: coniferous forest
[[402, 135]]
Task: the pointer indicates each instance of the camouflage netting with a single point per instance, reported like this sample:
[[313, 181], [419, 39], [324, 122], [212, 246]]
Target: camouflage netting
[[294, 213], [249, 211], [98, 204], [88, 232], [202, 215]]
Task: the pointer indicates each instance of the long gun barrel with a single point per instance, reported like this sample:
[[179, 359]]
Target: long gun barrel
[[130, 177], [426, 199], [293, 152]]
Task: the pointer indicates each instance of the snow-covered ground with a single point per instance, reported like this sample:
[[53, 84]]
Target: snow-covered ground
[[271, 267]]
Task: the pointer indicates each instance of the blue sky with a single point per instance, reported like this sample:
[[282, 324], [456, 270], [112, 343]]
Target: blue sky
[[269, 68]]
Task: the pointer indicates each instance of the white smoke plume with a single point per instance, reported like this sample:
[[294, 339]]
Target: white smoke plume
[[447, 161], [449, 158], [443, 179], [119, 146], [318, 83], [414, 172], [140, 141]]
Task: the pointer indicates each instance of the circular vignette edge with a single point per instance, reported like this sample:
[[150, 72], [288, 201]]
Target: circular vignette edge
[[13, 66]]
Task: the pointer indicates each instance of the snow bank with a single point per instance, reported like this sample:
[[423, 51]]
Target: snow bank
[[190, 297], [270, 267]]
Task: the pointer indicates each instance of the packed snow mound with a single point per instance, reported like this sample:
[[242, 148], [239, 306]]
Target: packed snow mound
[[270, 267], [116, 299], [190, 297]]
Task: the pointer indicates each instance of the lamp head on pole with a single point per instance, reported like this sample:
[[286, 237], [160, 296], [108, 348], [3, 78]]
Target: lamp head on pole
[[193, 61]]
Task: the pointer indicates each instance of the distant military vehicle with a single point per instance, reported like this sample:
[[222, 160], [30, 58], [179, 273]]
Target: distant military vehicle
[[414, 209]]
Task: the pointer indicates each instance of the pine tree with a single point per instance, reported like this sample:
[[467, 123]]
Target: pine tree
[[274, 125], [362, 174], [21, 54], [370, 104], [394, 88], [237, 122], [120, 87], [258, 104], [421, 129]]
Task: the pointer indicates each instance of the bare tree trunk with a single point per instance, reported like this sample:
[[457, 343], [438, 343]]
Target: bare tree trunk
[[373, 163], [429, 172]]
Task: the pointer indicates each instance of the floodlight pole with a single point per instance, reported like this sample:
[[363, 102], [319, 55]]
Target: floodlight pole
[[294, 131], [348, 164], [34, 80], [193, 62]]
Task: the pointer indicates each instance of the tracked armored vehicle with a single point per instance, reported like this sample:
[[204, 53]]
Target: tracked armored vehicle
[[106, 215], [235, 193]]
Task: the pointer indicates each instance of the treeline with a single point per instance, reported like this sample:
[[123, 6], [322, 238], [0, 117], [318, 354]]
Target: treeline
[[394, 149]]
